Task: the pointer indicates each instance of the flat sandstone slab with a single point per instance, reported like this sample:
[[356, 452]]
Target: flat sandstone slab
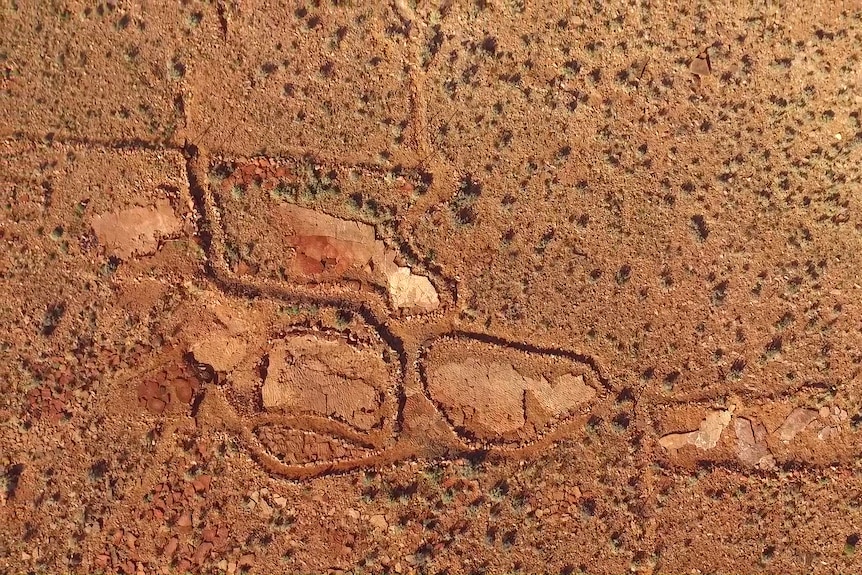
[[493, 395], [330, 378]]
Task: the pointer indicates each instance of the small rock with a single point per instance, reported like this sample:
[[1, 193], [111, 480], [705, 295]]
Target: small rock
[[824, 412], [700, 65], [171, 547], [184, 523], [222, 565], [184, 390], [130, 541], [246, 560], [280, 501], [202, 483], [201, 552], [156, 405], [798, 419], [264, 509], [378, 522]]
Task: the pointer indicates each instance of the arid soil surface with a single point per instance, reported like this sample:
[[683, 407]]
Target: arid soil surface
[[479, 286]]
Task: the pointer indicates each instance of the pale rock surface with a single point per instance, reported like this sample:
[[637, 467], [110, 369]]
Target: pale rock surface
[[706, 437], [329, 378], [798, 420], [488, 399], [136, 231], [328, 245]]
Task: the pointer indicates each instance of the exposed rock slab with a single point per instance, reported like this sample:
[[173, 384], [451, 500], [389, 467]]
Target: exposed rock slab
[[798, 420], [136, 231], [751, 447], [326, 246], [328, 378], [705, 437], [491, 399]]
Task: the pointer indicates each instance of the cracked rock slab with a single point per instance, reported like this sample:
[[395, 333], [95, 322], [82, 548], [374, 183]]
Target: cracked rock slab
[[705, 437], [136, 231], [491, 399], [798, 420], [751, 447], [329, 378]]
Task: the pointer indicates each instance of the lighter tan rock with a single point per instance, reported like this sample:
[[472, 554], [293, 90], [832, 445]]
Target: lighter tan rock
[[798, 420], [222, 351], [488, 399], [329, 378], [705, 437], [412, 292], [136, 231]]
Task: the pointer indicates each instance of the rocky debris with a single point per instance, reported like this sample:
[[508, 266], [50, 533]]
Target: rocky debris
[[798, 420], [136, 231], [293, 446], [330, 378], [258, 500], [751, 447], [171, 384], [705, 437], [153, 396], [833, 419], [492, 399], [327, 246]]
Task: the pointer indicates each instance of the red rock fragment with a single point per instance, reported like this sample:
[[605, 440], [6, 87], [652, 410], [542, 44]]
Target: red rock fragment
[[184, 523], [156, 405], [202, 483], [171, 547], [201, 553], [221, 536], [246, 560]]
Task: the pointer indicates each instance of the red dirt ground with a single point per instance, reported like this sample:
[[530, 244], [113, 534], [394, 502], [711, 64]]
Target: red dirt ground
[[475, 287]]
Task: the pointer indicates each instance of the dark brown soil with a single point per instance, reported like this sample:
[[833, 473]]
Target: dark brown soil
[[431, 287]]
